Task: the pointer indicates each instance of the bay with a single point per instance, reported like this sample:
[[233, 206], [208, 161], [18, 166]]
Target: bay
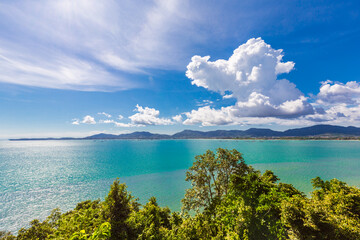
[[38, 176]]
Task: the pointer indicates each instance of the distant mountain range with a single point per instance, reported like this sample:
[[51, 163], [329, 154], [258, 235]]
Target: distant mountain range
[[314, 131]]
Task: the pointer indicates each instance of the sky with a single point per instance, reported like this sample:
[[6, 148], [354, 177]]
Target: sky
[[76, 68]]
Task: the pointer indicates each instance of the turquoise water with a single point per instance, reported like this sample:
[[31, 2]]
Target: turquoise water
[[37, 176]]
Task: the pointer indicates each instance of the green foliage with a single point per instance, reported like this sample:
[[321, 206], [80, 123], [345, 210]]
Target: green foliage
[[252, 208], [103, 232], [210, 177], [333, 212], [118, 206], [4, 235], [87, 216], [231, 201], [151, 222], [40, 230]]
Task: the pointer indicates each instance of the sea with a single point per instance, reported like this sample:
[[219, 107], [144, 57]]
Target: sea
[[38, 176]]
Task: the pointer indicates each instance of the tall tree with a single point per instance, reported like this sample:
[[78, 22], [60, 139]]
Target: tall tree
[[210, 177], [118, 208]]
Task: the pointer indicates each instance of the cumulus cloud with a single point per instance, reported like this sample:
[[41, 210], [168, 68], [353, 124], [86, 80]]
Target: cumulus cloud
[[337, 114], [207, 116], [337, 103], [253, 67], [144, 116], [148, 116], [88, 120], [331, 93], [177, 118], [250, 75]]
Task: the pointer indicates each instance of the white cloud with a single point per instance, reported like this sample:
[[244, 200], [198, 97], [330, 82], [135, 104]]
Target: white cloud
[[204, 103], [148, 116], [177, 118], [259, 105], [120, 124], [337, 103], [144, 116], [106, 121], [250, 74], [85, 44], [127, 125], [59, 72], [88, 120], [207, 116], [331, 93], [227, 96], [253, 67], [105, 114], [75, 121], [77, 45]]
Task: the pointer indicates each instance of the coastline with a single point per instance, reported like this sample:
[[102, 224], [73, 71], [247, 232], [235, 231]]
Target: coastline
[[316, 132], [243, 138]]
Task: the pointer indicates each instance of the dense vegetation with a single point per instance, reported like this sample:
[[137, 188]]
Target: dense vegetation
[[228, 200]]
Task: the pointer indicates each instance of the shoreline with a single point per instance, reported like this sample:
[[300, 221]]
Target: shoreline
[[250, 138]]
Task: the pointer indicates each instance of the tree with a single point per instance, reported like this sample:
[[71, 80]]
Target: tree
[[332, 212], [252, 207], [152, 221], [210, 177], [119, 204], [5, 235], [87, 216], [40, 230], [103, 232]]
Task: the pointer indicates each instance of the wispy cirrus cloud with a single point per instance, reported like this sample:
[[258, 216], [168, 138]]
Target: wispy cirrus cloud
[[91, 45], [59, 72], [88, 45], [105, 114], [120, 124]]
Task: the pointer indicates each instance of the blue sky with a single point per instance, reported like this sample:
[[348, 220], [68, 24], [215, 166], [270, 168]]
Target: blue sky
[[66, 66]]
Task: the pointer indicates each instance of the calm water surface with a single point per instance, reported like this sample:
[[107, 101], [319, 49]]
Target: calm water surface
[[37, 176]]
